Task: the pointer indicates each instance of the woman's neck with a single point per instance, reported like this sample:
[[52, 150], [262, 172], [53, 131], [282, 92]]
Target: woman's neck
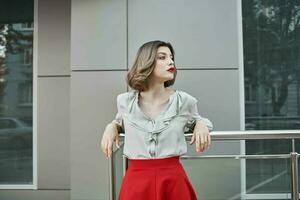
[[155, 95]]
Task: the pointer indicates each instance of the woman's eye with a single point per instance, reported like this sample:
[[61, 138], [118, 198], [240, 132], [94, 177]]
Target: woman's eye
[[164, 57]]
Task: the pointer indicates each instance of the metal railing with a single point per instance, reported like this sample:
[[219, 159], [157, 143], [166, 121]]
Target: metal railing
[[235, 135]]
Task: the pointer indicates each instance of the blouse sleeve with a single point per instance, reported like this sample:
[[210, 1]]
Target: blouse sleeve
[[195, 116], [119, 116]]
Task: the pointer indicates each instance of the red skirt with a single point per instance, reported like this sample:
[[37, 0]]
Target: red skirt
[[156, 179]]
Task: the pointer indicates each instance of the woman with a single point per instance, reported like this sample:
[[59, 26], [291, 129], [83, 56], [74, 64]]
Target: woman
[[154, 119]]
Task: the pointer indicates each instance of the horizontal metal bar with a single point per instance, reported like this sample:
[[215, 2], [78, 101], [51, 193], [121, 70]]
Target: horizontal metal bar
[[246, 135], [270, 156]]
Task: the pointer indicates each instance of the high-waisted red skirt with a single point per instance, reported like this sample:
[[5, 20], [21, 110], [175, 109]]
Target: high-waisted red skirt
[[156, 179]]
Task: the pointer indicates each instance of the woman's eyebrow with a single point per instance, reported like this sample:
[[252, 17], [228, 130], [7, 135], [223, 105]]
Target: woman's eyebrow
[[164, 53]]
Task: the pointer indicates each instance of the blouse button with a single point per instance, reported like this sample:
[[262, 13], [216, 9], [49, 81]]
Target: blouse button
[[166, 122]]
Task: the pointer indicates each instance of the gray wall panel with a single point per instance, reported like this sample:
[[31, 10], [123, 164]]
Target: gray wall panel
[[35, 195], [204, 33], [98, 36], [53, 133], [217, 92], [214, 179], [93, 105], [54, 17]]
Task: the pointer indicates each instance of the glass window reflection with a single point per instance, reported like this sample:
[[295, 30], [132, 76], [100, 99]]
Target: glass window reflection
[[16, 79], [271, 40]]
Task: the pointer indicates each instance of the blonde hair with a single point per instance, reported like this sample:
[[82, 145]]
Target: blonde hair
[[138, 75]]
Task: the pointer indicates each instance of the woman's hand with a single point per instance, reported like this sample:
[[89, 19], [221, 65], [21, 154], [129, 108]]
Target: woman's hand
[[201, 136], [110, 136]]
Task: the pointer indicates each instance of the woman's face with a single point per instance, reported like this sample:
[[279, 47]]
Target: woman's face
[[164, 66]]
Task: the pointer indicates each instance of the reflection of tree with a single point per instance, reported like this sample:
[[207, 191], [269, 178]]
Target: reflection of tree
[[17, 41], [272, 46], [12, 41], [3, 49]]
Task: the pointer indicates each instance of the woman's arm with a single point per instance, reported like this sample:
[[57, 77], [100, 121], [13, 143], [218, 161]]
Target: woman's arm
[[116, 126], [201, 129], [110, 136], [201, 136]]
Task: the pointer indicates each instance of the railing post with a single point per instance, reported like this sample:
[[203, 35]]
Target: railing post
[[111, 178], [125, 165], [294, 176]]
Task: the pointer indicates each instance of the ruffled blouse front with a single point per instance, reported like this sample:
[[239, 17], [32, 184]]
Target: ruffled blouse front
[[162, 136]]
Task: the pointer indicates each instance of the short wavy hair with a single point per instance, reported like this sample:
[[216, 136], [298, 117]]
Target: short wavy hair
[[138, 75]]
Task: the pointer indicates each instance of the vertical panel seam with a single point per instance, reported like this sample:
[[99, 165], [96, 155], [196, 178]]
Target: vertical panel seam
[[126, 42]]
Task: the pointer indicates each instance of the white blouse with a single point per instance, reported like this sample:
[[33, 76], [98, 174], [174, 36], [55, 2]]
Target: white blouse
[[160, 137]]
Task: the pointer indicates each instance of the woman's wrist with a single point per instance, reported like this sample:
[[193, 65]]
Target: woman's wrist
[[201, 124], [111, 127], [116, 126]]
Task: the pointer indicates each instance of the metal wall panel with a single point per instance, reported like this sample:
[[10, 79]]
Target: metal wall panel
[[204, 33], [93, 106], [54, 18], [98, 38]]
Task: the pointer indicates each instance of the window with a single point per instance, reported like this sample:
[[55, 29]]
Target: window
[[7, 124], [16, 79], [27, 56], [28, 25], [271, 43], [250, 93], [25, 93]]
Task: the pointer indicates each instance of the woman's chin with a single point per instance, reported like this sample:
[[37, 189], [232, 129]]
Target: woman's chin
[[165, 78], [169, 79]]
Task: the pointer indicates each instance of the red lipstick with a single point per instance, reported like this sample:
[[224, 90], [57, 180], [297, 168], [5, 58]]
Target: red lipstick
[[171, 69]]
